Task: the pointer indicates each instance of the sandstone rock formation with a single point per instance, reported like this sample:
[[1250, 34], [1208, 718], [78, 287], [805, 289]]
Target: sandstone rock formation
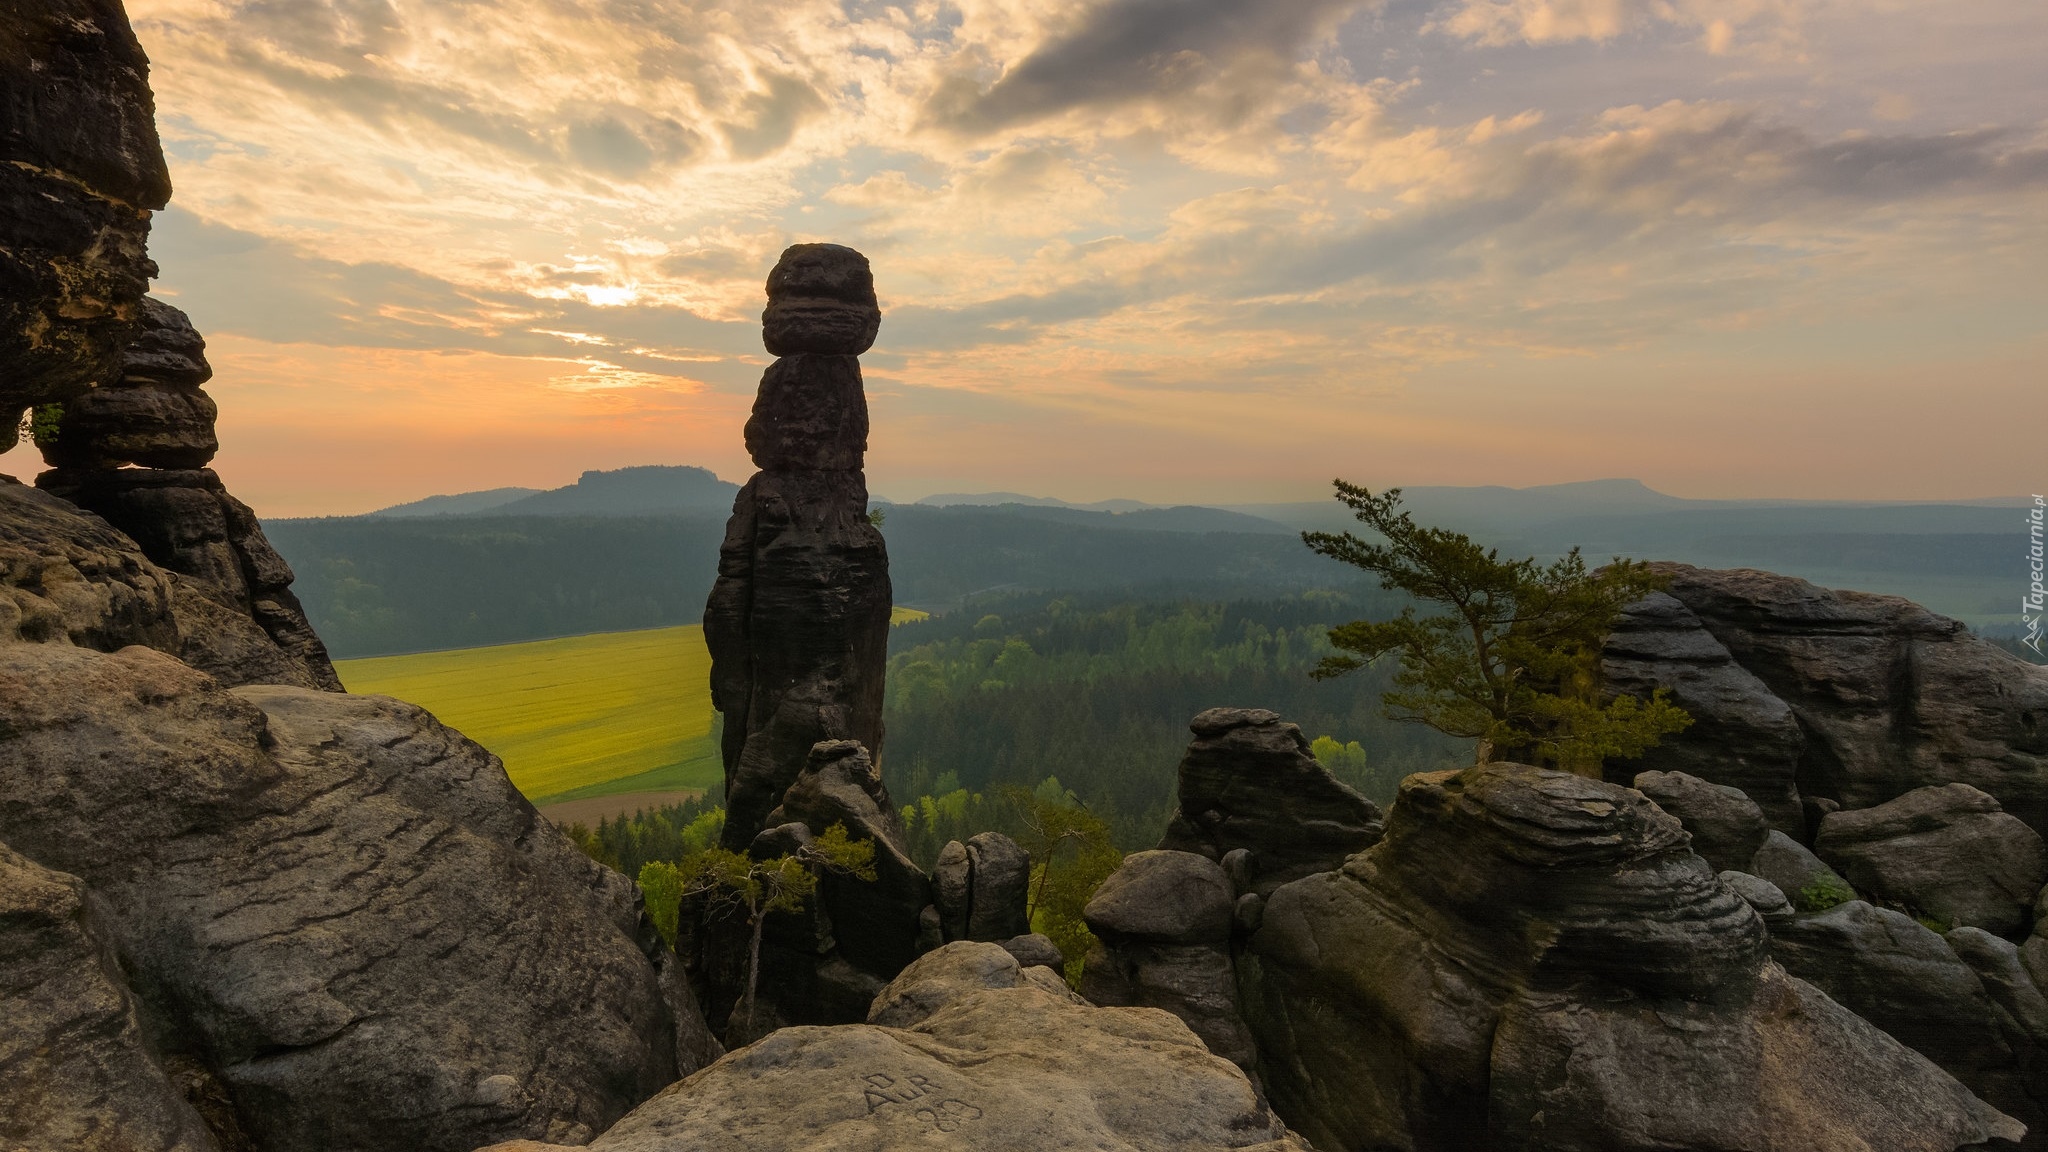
[[798, 620], [1534, 960], [981, 888], [1948, 852], [338, 909], [1249, 782], [80, 171], [1162, 924], [1798, 873], [1909, 981], [1884, 696], [1726, 826], [236, 615], [826, 964], [75, 1072], [968, 1054]]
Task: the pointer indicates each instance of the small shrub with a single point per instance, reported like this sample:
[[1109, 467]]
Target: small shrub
[[1824, 893]]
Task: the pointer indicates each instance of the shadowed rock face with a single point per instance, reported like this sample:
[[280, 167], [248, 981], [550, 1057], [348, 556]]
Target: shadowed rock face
[[74, 1069], [1534, 960], [1948, 852], [798, 621], [1162, 924], [80, 170], [1886, 696], [339, 909], [1248, 782], [965, 1052]]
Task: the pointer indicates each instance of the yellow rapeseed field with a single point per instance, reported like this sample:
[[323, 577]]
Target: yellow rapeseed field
[[600, 715]]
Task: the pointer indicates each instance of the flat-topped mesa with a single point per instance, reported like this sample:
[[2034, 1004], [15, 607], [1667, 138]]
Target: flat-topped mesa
[[798, 621]]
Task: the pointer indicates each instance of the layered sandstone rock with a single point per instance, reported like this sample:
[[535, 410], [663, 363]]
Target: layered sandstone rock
[[1534, 960], [1863, 697], [337, 909], [1248, 782], [75, 1070], [80, 171], [969, 1054], [1947, 852], [798, 620], [1162, 924], [981, 888], [1726, 826]]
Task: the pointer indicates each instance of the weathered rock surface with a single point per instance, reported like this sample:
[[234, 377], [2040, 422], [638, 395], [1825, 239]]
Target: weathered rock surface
[[67, 577], [150, 425], [1727, 827], [1798, 873], [1741, 735], [2034, 953], [1949, 852], [1889, 696], [75, 1072], [811, 415], [982, 888], [1036, 950], [1767, 898], [1904, 978], [338, 908], [1531, 959], [1162, 924], [984, 1058], [1248, 781], [821, 299], [235, 613], [80, 168], [826, 964]]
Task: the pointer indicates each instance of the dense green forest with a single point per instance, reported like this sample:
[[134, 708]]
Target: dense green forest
[[1098, 692]]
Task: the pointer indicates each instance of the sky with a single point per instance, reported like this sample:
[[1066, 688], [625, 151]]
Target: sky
[[1176, 250]]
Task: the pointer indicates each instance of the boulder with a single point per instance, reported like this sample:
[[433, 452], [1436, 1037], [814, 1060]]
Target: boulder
[[821, 299], [1807, 882], [1248, 782], [148, 424], [166, 349], [337, 908], [1531, 959], [1907, 980], [1767, 898], [1727, 827], [1948, 851], [982, 888], [75, 1071], [1162, 924], [811, 414], [1036, 951], [1742, 735], [977, 1057], [1890, 697], [80, 170]]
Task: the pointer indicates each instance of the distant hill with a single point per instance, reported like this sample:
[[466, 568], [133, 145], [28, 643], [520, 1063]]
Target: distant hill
[[461, 504], [995, 499]]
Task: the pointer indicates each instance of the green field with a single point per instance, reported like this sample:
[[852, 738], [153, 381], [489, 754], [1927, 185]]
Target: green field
[[587, 716]]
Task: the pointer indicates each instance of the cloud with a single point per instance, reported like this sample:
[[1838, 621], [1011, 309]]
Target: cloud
[[1124, 50], [1760, 24]]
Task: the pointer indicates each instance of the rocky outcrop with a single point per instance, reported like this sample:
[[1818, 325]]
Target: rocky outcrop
[[981, 888], [798, 620], [1531, 959], [1726, 826], [1248, 782], [75, 1072], [1906, 979], [1804, 878], [965, 1052], [339, 910], [68, 578], [1946, 852], [825, 964], [1887, 697], [235, 612], [1162, 924], [80, 171], [1741, 735]]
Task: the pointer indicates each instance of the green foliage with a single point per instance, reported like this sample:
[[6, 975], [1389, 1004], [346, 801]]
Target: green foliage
[[1072, 854], [877, 517], [1515, 663], [670, 834], [1823, 893], [43, 422], [1099, 691], [1349, 763], [661, 888]]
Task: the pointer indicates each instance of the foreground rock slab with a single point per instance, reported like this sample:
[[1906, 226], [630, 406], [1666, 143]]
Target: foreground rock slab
[[989, 1059], [337, 907]]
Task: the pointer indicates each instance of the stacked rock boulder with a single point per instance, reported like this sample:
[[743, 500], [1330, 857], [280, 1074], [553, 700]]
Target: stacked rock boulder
[[1530, 959], [135, 452], [798, 620]]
